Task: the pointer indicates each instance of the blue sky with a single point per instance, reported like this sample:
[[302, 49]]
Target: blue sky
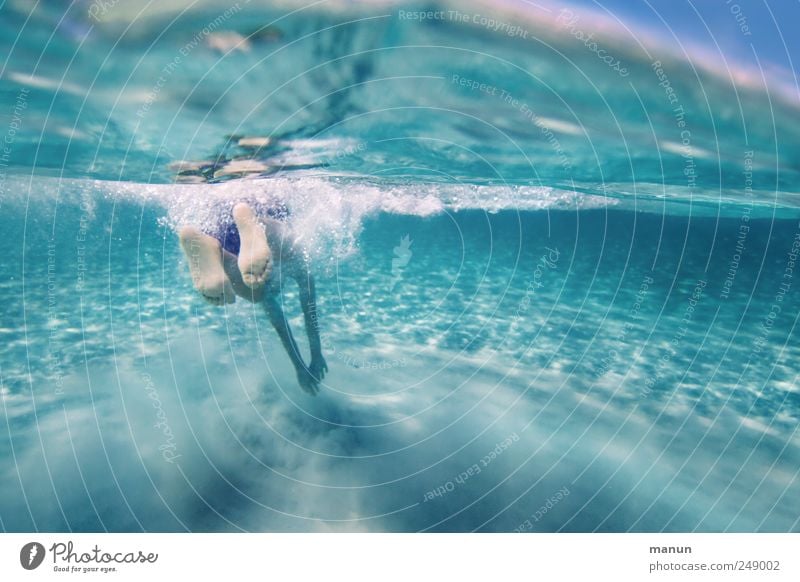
[[688, 19]]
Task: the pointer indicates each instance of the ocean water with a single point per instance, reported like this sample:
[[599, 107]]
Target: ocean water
[[557, 288]]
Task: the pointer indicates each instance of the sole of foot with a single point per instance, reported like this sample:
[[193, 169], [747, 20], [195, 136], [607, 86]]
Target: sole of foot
[[205, 265], [255, 258]]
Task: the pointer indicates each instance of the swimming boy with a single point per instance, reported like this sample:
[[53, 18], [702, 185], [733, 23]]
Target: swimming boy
[[238, 259]]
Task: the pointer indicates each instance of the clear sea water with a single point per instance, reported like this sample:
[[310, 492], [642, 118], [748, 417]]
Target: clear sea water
[[554, 295]]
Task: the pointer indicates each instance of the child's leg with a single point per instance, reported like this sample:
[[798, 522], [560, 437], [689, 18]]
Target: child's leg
[[230, 263], [255, 257], [204, 254]]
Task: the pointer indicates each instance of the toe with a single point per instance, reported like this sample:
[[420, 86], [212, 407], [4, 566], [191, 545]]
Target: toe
[[253, 278]]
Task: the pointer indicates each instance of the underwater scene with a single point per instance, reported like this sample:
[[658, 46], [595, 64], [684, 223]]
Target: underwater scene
[[532, 266]]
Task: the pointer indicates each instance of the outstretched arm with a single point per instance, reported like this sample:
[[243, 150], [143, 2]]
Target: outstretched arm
[[308, 302], [278, 319]]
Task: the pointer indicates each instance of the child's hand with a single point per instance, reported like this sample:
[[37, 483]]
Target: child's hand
[[318, 367], [307, 381]]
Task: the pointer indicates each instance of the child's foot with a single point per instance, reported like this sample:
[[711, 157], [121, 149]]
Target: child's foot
[[205, 264], [255, 258]]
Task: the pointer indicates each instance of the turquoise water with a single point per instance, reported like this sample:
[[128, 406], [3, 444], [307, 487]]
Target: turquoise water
[[553, 296]]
